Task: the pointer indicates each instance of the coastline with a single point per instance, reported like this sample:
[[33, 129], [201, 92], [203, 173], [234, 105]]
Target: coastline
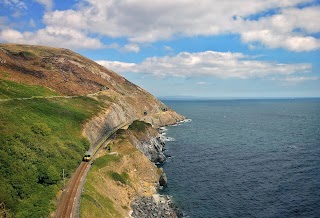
[[157, 205], [134, 154]]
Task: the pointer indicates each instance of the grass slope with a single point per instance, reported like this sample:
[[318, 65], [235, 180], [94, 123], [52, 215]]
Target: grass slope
[[92, 200], [116, 177], [9, 89], [38, 138]]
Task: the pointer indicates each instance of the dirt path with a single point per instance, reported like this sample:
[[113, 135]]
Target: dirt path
[[49, 97]]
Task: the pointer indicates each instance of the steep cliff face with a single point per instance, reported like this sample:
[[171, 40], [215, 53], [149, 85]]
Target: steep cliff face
[[122, 112], [147, 140]]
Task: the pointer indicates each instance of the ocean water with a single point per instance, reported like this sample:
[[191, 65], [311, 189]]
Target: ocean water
[[245, 158]]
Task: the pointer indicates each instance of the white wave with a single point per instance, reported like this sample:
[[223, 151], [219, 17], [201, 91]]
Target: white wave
[[186, 120], [174, 124], [169, 139], [163, 129]]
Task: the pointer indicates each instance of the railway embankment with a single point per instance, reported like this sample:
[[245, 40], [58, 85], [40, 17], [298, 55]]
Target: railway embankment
[[124, 180]]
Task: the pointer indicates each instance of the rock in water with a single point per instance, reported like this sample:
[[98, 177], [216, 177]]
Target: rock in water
[[161, 158], [163, 181]]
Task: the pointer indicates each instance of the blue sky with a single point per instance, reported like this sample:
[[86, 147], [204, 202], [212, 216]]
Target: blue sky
[[205, 48]]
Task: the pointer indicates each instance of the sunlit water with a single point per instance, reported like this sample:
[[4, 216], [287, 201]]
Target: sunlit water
[[245, 158]]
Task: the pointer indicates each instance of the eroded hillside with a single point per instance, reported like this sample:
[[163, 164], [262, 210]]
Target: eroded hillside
[[70, 74]]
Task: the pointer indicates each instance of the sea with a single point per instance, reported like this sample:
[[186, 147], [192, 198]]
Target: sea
[[245, 158]]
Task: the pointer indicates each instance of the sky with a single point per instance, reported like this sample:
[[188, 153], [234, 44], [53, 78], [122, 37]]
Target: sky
[[183, 48]]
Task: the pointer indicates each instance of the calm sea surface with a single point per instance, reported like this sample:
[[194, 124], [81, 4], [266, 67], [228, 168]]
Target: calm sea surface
[[246, 158]]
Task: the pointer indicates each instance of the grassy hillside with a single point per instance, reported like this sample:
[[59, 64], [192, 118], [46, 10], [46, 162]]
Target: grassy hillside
[[10, 89], [38, 138], [119, 175]]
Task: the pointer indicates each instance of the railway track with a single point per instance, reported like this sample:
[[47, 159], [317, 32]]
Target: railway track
[[67, 204], [68, 198]]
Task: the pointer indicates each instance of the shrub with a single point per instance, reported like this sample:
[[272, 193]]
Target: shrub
[[139, 126], [123, 178], [41, 129], [105, 160]]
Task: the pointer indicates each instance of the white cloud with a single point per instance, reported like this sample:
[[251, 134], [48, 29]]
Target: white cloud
[[3, 20], [294, 80], [201, 83], [16, 4], [288, 30], [167, 48], [117, 66], [131, 48], [32, 23], [46, 3], [58, 37], [149, 21], [209, 63], [273, 40], [145, 21]]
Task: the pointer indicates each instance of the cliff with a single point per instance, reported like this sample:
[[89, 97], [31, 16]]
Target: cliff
[[55, 104]]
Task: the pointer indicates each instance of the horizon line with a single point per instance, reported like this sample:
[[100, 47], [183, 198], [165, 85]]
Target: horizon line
[[231, 98]]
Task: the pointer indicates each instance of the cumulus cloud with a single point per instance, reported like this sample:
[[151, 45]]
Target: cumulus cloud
[[288, 30], [209, 63], [59, 37], [149, 21], [117, 66], [144, 21]]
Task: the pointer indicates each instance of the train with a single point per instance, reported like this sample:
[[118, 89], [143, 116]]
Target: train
[[87, 156]]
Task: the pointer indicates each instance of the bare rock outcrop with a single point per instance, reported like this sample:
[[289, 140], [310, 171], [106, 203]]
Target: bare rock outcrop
[[159, 206]]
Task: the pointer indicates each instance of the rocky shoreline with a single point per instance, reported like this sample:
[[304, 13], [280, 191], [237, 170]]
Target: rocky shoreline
[[156, 205], [160, 206]]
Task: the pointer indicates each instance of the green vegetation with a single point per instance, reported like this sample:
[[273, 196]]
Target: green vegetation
[[123, 177], [9, 89], [38, 138], [92, 200], [139, 126], [98, 204], [106, 98], [105, 160], [27, 55]]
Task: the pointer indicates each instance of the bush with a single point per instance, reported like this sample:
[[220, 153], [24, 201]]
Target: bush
[[40, 129], [138, 126], [105, 160], [123, 178]]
